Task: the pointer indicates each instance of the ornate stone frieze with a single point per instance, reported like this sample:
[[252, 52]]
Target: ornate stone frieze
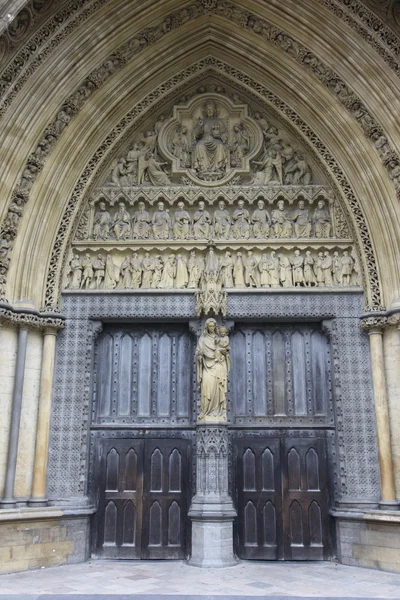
[[31, 318], [241, 267], [231, 72], [237, 213]]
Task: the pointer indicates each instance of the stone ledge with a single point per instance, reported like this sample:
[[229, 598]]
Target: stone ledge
[[33, 514], [381, 516]]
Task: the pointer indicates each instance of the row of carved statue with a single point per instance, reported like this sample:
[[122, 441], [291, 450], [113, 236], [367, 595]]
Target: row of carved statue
[[241, 224], [174, 271]]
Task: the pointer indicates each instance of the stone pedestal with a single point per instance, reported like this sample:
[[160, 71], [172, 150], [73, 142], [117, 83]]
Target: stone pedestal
[[212, 512]]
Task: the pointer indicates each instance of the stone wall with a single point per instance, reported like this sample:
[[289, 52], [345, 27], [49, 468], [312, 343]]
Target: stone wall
[[46, 539], [370, 540]]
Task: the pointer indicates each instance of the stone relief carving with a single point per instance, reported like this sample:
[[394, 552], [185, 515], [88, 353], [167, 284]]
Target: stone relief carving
[[210, 140], [226, 72], [243, 268], [213, 365], [259, 26], [113, 220]]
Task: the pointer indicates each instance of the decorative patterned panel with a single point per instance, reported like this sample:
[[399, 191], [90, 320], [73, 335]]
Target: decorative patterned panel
[[280, 374]]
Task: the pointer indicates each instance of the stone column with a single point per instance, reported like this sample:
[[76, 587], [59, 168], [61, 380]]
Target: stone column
[[212, 512], [374, 326], [9, 500], [38, 497]]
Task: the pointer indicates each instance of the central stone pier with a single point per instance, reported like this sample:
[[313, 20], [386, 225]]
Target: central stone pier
[[212, 512]]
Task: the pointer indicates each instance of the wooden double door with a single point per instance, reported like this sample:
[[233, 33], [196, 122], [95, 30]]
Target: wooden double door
[[282, 498], [143, 490]]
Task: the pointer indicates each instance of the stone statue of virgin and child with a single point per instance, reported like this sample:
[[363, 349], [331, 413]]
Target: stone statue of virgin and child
[[213, 365]]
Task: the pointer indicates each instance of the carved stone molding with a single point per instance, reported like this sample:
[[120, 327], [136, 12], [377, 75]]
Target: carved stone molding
[[224, 70], [260, 26], [29, 318], [371, 324]]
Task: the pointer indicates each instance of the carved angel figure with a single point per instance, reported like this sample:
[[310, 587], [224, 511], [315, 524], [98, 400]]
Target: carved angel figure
[[240, 144], [180, 146]]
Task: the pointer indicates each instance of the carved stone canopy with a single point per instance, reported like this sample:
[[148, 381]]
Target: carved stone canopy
[[210, 140]]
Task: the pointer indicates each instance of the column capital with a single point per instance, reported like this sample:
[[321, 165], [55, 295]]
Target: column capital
[[374, 325]]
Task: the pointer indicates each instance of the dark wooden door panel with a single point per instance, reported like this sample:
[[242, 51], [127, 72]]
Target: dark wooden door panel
[[305, 499], [282, 498], [165, 499], [119, 519], [143, 492], [259, 499]]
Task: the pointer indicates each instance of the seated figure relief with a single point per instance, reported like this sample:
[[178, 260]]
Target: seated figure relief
[[236, 223], [210, 153]]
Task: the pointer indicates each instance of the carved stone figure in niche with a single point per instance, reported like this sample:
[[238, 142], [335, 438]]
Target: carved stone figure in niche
[[327, 269], [161, 222], [260, 220], [285, 271], [125, 280], [347, 268], [181, 223], [309, 273], [238, 271], [195, 268], [102, 223], [274, 270], [299, 171], [182, 276], [337, 269], [241, 222], [122, 223], [168, 273], [112, 274], [212, 361], [201, 222], [180, 145], [250, 270], [148, 268], [240, 144], [151, 167], [159, 123], [319, 272], [227, 270], [270, 169], [141, 223], [322, 221], [301, 220], [298, 266], [99, 271], [87, 272], [281, 222], [222, 221], [210, 154], [75, 273], [136, 270], [157, 274], [119, 174], [263, 267]]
